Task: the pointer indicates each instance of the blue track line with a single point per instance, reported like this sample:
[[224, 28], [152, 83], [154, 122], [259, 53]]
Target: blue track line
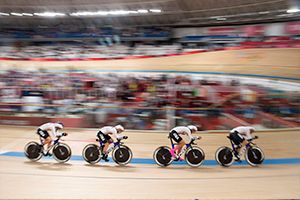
[[278, 161]]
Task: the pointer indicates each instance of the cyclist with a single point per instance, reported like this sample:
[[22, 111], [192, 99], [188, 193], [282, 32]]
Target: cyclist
[[183, 130], [43, 132], [104, 136], [240, 136]]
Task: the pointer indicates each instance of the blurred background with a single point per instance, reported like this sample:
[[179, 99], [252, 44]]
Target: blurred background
[[150, 65]]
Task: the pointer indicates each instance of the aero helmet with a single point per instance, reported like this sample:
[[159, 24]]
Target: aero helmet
[[252, 128], [59, 125], [120, 128], [192, 127]]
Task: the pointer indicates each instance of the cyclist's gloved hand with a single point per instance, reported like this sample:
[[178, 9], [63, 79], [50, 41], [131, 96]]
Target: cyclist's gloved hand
[[64, 134], [196, 138], [122, 138]]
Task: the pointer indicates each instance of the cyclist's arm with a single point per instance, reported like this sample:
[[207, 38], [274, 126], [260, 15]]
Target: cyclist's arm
[[247, 135], [189, 134], [54, 131], [115, 133]]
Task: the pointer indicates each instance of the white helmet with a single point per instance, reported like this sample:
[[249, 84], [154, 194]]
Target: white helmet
[[192, 127], [120, 128], [59, 125], [252, 128]]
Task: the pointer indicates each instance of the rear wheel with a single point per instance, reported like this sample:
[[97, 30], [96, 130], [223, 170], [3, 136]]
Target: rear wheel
[[61, 152], [194, 156], [162, 156], [254, 156], [91, 153], [122, 155], [33, 151], [224, 156]]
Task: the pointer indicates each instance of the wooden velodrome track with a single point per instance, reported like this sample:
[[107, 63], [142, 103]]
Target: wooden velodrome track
[[277, 178], [282, 63]]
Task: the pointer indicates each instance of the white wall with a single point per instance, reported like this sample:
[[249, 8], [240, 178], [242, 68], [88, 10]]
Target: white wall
[[271, 29], [275, 29]]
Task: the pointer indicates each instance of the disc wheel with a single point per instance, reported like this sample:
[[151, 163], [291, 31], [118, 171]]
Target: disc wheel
[[254, 156], [61, 152], [33, 151], [91, 153], [122, 155], [194, 157], [224, 156], [162, 156]]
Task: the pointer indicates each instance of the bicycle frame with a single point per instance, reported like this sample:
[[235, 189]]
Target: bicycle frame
[[111, 148], [244, 149], [184, 149], [52, 145], [233, 145]]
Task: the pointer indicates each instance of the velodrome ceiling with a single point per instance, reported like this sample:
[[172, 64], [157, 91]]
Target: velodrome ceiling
[[174, 13]]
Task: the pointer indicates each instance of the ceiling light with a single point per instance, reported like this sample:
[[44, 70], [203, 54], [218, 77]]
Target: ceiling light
[[6, 14], [265, 12], [293, 10], [118, 12], [133, 12], [143, 11], [155, 10], [27, 14], [49, 14], [16, 14]]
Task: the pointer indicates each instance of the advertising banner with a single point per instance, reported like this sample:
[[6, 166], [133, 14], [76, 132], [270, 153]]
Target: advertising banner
[[292, 27]]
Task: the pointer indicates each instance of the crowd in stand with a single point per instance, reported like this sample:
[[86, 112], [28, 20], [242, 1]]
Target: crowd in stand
[[182, 91], [128, 91], [84, 33], [108, 43]]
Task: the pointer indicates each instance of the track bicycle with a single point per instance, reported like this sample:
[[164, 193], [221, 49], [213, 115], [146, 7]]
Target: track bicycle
[[121, 154], [61, 151], [226, 156], [194, 156]]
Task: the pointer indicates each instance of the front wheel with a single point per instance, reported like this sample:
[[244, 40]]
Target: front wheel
[[224, 156], [91, 153], [32, 151], [162, 156], [122, 155], [61, 152], [254, 156], [194, 156]]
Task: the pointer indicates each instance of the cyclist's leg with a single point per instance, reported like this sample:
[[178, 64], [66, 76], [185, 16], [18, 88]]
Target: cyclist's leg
[[238, 140], [243, 144], [106, 142], [180, 146], [47, 139], [174, 135], [104, 139]]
